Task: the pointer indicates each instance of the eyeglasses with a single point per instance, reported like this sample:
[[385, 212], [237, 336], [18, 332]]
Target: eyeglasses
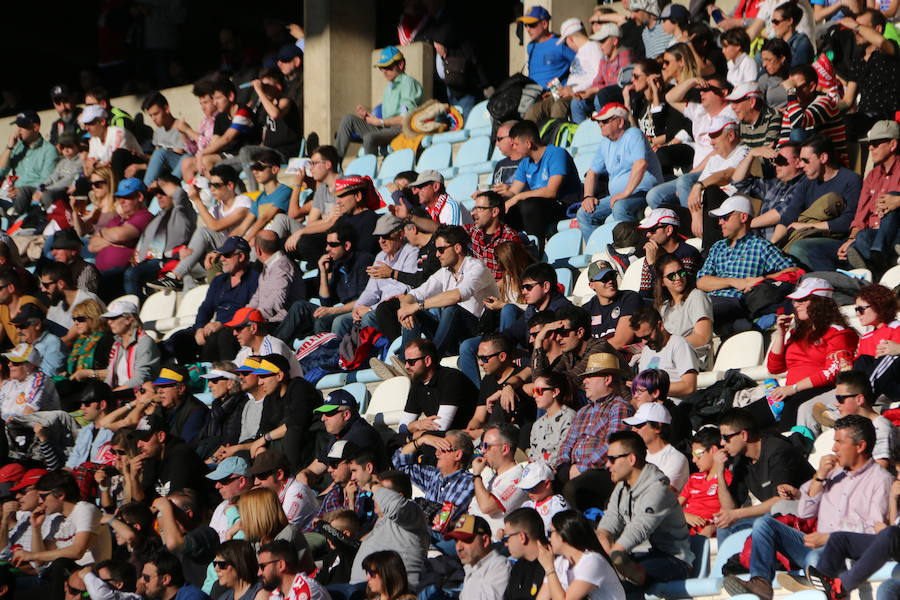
[[563, 331], [777, 21], [263, 565], [97, 183], [21, 326], [80, 319], [334, 244], [389, 236], [216, 379], [370, 573], [266, 375], [43, 495], [447, 451], [258, 166], [841, 397], [74, 591], [529, 286], [441, 249], [666, 63], [501, 138], [146, 577], [861, 309], [505, 539], [780, 161], [476, 207], [215, 186], [726, 437], [411, 360], [679, 274], [698, 453], [645, 338], [263, 476], [221, 564], [486, 357], [540, 391], [614, 457], [874, 143]]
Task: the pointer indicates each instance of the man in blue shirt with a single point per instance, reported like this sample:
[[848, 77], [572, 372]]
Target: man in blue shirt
[[625, 155], [269, 211], [547, 60], [31, 325], [546, 182]]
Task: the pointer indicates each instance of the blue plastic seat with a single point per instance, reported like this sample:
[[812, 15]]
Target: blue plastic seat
[[479, 121], [563, 245], [471, 154], [599, 240], [396, 162], [565, 279], [587, 134], [435, 157], [359, 391], [462, 186], [703, 586], [583, 163], [365, 165], [332, 380]]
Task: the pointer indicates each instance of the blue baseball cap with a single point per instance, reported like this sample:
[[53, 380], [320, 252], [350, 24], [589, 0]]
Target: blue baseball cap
[[388, 56], [234, 244], [337, 399], [129, 186], [534, 14], [233, 465]]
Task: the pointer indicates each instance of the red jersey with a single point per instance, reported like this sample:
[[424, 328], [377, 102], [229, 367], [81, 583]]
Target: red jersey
[[868, 342], [702, 495]]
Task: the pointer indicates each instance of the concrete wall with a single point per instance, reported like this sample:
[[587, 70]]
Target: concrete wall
[[419, 65]]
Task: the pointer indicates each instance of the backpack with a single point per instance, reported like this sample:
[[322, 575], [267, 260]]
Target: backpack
[[505, 103], [557, 132]]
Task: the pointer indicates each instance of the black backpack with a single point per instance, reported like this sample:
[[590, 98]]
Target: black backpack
[[504, 104]]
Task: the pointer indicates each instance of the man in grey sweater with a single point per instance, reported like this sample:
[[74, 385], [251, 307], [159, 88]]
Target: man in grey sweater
[[642, 508], [64, 174]]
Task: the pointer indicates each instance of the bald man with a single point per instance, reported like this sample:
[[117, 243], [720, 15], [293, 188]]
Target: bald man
[[280, 283]]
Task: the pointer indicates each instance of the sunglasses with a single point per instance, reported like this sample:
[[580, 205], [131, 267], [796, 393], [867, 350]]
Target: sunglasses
[[805, 161], [21, 326], [540, 391], [780, 161], [441, 249], [486, 357], [666, 63], [221, 564], [726, 437], [266, 375], [874, 143], [80, 319], [529, 286], [146, 577], [43, 495], [861, 309], [46, 284], [215, 185], [679, 274], [119, 452], [411, 361], [258, 166], [614, 457], [698, 453], [532, 25], [97, 183], [778, 21], [334, 244], [216, 379], [263, 476], [841, 397], [563, 331]]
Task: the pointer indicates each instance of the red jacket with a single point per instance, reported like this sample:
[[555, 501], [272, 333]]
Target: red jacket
[[820, 360]]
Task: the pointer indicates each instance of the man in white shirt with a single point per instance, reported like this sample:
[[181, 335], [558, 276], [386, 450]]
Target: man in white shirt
[[106, 141], [487, 571], [249, 327], [271, 470], [665, 351], [458, 290], [494, 499], [651, 422], [231, 480]]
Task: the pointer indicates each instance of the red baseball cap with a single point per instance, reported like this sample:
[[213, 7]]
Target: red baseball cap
[[11, 472], [245, 315], [30, 477]]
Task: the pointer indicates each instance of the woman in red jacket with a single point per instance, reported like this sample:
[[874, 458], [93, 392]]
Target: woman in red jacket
[[876, 307], [812, 346]]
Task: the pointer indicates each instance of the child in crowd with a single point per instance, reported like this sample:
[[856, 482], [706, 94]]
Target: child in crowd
[[341, 531], [700, 496], [537, 481]]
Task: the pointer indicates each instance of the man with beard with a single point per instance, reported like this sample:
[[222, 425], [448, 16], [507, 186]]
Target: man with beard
[[665, 351], [282, 572], [162, 578], [165, 465], [58, 282]]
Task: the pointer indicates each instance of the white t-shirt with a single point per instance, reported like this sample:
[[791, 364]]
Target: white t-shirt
[[299, 502], [718, 163], [219, 520], [701, 122], [742, 70], [503, 488], [271, 345], [883, 428], [63, 317], [548, 507], [454, 213], [220, 212], [584, 68], [676, 358], [593, 569], [673, 464], [20, 533], [116, 137], [85, 517]]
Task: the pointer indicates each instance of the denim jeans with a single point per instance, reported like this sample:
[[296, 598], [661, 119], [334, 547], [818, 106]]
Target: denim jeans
[[626, 209], [722, 533], [770, 535], [888, 590], [468, 359], [582, 109], [343, 323], [162, 161], [869, 551], [819, 254], [882, 239], [299, 322], [447, 328], [135, 277], [672, 192]]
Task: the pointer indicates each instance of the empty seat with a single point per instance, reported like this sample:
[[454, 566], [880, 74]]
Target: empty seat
[[360, 393], [632, 278], [462, 186], [364, 165], [187, 309], [160, 305], [479, 121], [563, 245], [741, 351], [891, 278], [436, 157], [587, 134], [598, 242], [396, 162], [387, 403], [471, 156]]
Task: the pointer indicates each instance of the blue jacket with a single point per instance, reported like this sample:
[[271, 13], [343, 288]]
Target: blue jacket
[[222, 300]]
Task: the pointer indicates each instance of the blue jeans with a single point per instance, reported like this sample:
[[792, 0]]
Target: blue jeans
[[299, 322], [450, 326], [626, 209], [722, 533], [162, 161], [582, 109], [882, 239], [659, 566], [465, 103], [468, 359], [135, 277], [869, 551], [819, 254], [888, 590], [671, 193], [770, 535], [343, 323]]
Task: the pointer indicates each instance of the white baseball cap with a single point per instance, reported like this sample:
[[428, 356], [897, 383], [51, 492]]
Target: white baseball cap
[[117, 308], [812, 286], [719, 123], [607, 30], [568, 27], [23, 353], [90, 113], [649, 411], [659, 216], [610, 110], [219, 374], [743, 90], [736, 203], [535, 474]]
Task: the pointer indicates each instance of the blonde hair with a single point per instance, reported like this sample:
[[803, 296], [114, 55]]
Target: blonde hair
[[682, 52], [261, 514], [91, 309], [109, 203]]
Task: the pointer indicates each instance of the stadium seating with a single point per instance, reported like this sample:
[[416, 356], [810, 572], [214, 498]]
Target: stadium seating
[[710, 585], [598, 242], [462, 186], [564, 277], [740, 351], [632, 278], [472, 157], [891, 278], [562, 246], [393, 163], [586, 138], [365, 165], [387, 402], [436, 157]]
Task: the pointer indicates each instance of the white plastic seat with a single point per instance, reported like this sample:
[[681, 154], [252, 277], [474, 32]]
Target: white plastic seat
[[632, 278], [822, 446], [388, 401], [128, 298], [160, 305], [186, 311], [891, 278], [864, 274]]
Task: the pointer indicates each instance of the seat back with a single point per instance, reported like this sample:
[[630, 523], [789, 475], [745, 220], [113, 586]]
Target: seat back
[[191, 301], [564, 244], [864, 274], [160, 305], [740, 351], [564, 277], [364, 165], [582, 164], [700, 546], [462, 186], [582, 288], [390, 395], [128, 298], [473, 151], [728, 547], [434, 157], [587, 134], [396, 162], [632, 278], [478, 116], [821, 447], [891, 277], [600, 238]]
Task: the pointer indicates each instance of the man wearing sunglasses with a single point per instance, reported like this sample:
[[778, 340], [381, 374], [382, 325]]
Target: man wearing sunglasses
[[495, 355], [269, 210], [548, 59], [662, 350], [572, 329], [661, 227], [777, 193], [231, 479], [57, 280], [92, 440], [184, 413], [31, 327], [610, 306], [15, 526], [249, 326], [272, 471], [163, 577]]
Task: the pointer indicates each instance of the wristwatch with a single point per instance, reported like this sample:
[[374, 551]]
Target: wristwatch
[[421, 304], [268, 437]]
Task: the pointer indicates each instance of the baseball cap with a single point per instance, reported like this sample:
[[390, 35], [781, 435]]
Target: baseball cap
[[60, 92], [117, 308], [168, 377], [675, 12], [535, 474], [337, 399], [289, 52], [386, 224], [341, 450], [234, 244], [649, 411], [812, 286], [91, 113], [568, 27], [24, 353], [233, 465], [659, 216], [129, 186], [66, 239], [219, 374], [268, 461], [151, 426], [648, 6], [427, 176], [534, 14], [26, 313], [736, 203], [599, 269], [266, 368], [883, 130], [467, 527], [249, 366], [610, 110], [607, 30], [245, 315], [11, 472], [26, 119], [744, 90], [388, 56], [719, 124], [29, 477]]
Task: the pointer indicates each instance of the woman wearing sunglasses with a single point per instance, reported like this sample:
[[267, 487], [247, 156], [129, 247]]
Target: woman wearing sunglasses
[[552, 393], [113, 486], [237, 572], [103, 184], [90, 350], [686, 311], [876, 306], [386, 577]]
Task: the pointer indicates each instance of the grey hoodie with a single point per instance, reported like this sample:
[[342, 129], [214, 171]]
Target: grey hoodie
[[175, 226], [651, 511], [401, 527]]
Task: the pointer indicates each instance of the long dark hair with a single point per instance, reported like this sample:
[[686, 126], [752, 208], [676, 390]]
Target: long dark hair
[[577, 532], [661, 295], [240, 555], [389, 567], [561, 382], [823, 313]]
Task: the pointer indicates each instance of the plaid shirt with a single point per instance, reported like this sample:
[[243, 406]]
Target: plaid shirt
[[456, 487], [608, 72], [775, 194], [331, 500], [586, 443], [749, 256], [483, 249]]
